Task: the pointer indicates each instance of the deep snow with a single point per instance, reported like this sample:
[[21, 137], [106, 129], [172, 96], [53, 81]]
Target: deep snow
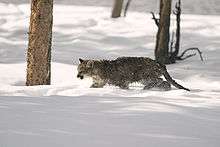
[[69, 113]]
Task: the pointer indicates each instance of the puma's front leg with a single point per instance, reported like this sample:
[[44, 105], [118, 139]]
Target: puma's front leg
[[97, 83]]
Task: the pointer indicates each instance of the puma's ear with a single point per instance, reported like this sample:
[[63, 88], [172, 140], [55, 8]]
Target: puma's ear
[[81, 60]]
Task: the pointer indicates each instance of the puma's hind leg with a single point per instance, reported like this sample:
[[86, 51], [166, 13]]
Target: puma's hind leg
[[164, 86], [156, 83], [150, 83], [124, 85]]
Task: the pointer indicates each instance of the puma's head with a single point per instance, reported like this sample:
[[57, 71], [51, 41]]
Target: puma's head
[[85, 68]]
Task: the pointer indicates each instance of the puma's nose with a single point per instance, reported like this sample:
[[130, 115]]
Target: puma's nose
[[80, 76]]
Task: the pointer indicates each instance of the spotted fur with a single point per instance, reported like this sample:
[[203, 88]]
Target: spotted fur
[[125, 70]]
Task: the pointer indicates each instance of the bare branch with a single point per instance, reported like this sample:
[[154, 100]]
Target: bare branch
[[174, 12], [190, 49], [126, 7], [156, 20], [188, 56]]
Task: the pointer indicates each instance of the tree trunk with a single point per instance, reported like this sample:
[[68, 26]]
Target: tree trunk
[[39, 46], [117, 8], [178, 27], [163, 34], [126, 7]]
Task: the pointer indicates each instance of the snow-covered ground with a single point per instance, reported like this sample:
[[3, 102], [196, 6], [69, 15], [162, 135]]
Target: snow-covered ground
[[69, 113]]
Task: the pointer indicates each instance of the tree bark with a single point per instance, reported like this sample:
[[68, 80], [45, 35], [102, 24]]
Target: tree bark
[[163, 34], [117, 8], [39, 46]]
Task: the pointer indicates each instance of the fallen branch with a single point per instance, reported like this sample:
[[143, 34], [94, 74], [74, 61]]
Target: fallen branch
[[191, 55]]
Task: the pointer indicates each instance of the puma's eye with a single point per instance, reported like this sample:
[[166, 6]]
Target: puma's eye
[[82, 71]]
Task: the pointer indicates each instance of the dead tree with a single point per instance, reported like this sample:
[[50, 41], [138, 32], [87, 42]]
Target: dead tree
[[39, 46], [174, 48], [173, 55], [117, 8], [163, 35]]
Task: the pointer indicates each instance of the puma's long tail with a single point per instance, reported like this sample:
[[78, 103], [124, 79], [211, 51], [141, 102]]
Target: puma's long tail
[[170, 79]]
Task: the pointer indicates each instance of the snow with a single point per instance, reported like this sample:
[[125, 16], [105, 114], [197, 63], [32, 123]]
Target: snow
[[69, 113], [205, 7]]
